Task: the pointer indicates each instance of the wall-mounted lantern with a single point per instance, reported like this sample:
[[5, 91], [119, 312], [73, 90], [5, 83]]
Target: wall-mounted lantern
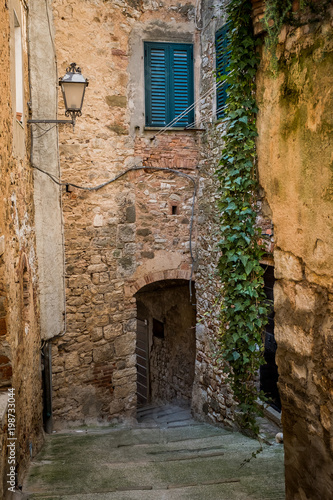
[[73, 87]]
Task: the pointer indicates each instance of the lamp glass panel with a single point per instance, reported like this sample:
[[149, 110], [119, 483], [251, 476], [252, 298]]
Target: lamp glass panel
[[73, 95]]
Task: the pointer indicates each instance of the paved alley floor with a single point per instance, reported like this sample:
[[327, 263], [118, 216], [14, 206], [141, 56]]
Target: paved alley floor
[[166, 456]]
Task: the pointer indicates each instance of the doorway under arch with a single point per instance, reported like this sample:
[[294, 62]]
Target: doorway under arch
[[165, 349]]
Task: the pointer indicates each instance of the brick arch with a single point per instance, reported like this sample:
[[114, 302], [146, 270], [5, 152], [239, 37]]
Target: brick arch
[[170, 274]]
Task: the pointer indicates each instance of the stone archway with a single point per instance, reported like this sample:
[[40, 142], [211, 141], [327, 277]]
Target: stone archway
[[165, 342]]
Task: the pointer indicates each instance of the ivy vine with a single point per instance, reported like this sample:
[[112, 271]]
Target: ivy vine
[[243, 307]]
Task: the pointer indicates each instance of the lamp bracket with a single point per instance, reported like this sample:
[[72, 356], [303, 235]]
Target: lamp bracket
[[52, 121], [73, 115]]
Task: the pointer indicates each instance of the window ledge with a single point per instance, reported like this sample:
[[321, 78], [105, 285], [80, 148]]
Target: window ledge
[[175, 129]]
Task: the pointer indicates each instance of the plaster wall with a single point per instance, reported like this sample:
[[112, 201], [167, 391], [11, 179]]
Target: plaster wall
[[295, 167], [20, 365], [47, 196]]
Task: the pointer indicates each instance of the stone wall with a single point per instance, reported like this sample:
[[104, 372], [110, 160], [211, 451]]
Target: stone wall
[[119, 237], [20, 365], [172, 352], [212, 398], [295, 165]]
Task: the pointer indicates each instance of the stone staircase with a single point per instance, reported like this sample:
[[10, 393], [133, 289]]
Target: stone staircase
[[166, 455]]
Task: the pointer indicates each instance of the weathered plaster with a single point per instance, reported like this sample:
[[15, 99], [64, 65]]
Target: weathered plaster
[[48, 216], [295, 168]]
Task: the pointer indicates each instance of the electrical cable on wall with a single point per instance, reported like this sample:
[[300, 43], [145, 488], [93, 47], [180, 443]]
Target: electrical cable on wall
[[133, 169]]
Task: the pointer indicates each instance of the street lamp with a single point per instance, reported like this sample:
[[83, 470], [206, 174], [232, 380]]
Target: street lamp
[[73, 86]]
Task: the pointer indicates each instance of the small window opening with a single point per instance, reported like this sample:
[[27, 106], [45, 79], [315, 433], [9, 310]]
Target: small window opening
[[158, 329], [18, 70], [174, 210]]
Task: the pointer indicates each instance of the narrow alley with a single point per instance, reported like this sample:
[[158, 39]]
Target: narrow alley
[[166, 455]]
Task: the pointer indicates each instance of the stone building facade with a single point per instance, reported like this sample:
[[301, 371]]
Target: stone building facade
[[133, 233], [109, 251]]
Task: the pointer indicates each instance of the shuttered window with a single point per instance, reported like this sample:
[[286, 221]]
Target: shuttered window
[[222, 62], [168, 83]]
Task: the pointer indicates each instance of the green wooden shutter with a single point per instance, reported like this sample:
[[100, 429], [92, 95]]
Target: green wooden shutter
[[181, 84], [156, 59], [168, 83], [222, 62]]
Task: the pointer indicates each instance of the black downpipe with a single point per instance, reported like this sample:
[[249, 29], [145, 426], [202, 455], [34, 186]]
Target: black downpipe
[[47, 387]]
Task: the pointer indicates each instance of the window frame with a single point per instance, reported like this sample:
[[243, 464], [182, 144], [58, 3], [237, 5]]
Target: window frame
[[171, 111]]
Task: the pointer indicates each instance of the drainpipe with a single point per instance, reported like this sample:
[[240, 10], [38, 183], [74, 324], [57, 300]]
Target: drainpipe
[[47, 387]]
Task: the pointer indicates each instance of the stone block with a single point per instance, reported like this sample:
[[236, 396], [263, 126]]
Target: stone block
[[119, 101], [98, 220], [130, 214], [101, 320], [126, 373], [79, 281], [103, 353], [126, 265], [96, 259], [130, 325], [305, 298], [299, 372], [126, 233], [125, 345], [287, 266], [96, 334], [147, 255], [72, 360], [321, 280], [294, 338], [130, 249], [97, 268], [123, 391], [112, 331], [143, 231], [104, 277], [200, 332], [284, 294], [117, 406]]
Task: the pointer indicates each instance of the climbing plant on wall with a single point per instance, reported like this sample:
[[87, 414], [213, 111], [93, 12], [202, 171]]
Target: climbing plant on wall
[[243, 308]]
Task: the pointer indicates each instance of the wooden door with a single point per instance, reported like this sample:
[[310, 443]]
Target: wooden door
[[142, 362]]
